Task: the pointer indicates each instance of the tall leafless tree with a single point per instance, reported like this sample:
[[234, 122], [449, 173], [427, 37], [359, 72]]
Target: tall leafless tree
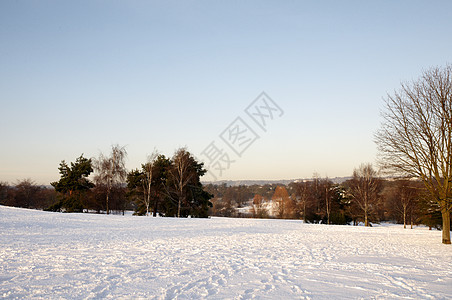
[[110, 171], [302, 193], [415, 138], [364, 188], [148, 170], [181, 174], [328, 197], [407, 194]]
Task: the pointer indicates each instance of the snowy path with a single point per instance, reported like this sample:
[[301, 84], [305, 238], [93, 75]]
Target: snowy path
[[84, 256]]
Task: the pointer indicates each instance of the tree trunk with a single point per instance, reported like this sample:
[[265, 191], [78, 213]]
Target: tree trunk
[[446, 225], [327, 206], [155, 205], [404, 217], [108, 210], [366, 220], [179, 201], [304, 211], [178, 208], [411, 216]]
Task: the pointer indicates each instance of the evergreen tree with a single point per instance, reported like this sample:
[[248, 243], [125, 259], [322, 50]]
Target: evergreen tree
[[73, 184]]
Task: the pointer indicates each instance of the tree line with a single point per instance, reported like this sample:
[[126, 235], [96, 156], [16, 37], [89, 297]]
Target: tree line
[[163, 186], [365, 198]]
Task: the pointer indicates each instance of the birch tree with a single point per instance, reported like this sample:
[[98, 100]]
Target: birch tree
[[181, 174], [148, 170], [110, 171]]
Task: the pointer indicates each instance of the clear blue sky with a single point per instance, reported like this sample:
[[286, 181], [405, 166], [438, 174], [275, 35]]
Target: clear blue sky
[[78, 76]]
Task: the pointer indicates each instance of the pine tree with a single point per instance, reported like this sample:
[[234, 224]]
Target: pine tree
[[72, 184]]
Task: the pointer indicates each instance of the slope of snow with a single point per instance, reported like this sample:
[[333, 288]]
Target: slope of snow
[[53, 255]]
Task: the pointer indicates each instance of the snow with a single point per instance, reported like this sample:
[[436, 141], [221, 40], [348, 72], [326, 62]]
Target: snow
[[54, 255]]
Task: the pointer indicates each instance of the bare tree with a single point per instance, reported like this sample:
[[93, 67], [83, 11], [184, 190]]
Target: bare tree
[[328, 197], [4, 187], [110, 171], [148, 170], [302, 192], [284, 206], [416, 136], [364, 188], [25, 193], [407, 195], [258, 209]]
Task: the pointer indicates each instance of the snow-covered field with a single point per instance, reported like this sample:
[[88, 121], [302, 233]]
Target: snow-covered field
[[83, 256]]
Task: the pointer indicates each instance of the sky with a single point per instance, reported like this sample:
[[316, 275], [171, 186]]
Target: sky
[[80, 76]]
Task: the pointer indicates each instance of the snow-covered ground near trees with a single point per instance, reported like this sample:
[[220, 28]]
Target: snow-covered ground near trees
[[54, 255]]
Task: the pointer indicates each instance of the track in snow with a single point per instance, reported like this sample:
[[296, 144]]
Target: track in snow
[[89, 256]]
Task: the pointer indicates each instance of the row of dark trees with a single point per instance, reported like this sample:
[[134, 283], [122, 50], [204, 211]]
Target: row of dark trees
[[165, 186], [364, 198], [319, 200], [25, 193]]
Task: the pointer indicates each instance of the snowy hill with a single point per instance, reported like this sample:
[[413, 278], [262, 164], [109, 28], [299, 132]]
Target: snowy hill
[[53, 255]]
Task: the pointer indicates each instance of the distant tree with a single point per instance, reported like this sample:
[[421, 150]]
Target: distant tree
[[317, 199], [351, 207], [44, 198], [415, 139], [72, 184], [242, 195], [4, 187], [338, 213], [258, 208], [302, 194], [284, 204], [327, 185], [25, 193], [110, 171], [364, 189], [405, 195]]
